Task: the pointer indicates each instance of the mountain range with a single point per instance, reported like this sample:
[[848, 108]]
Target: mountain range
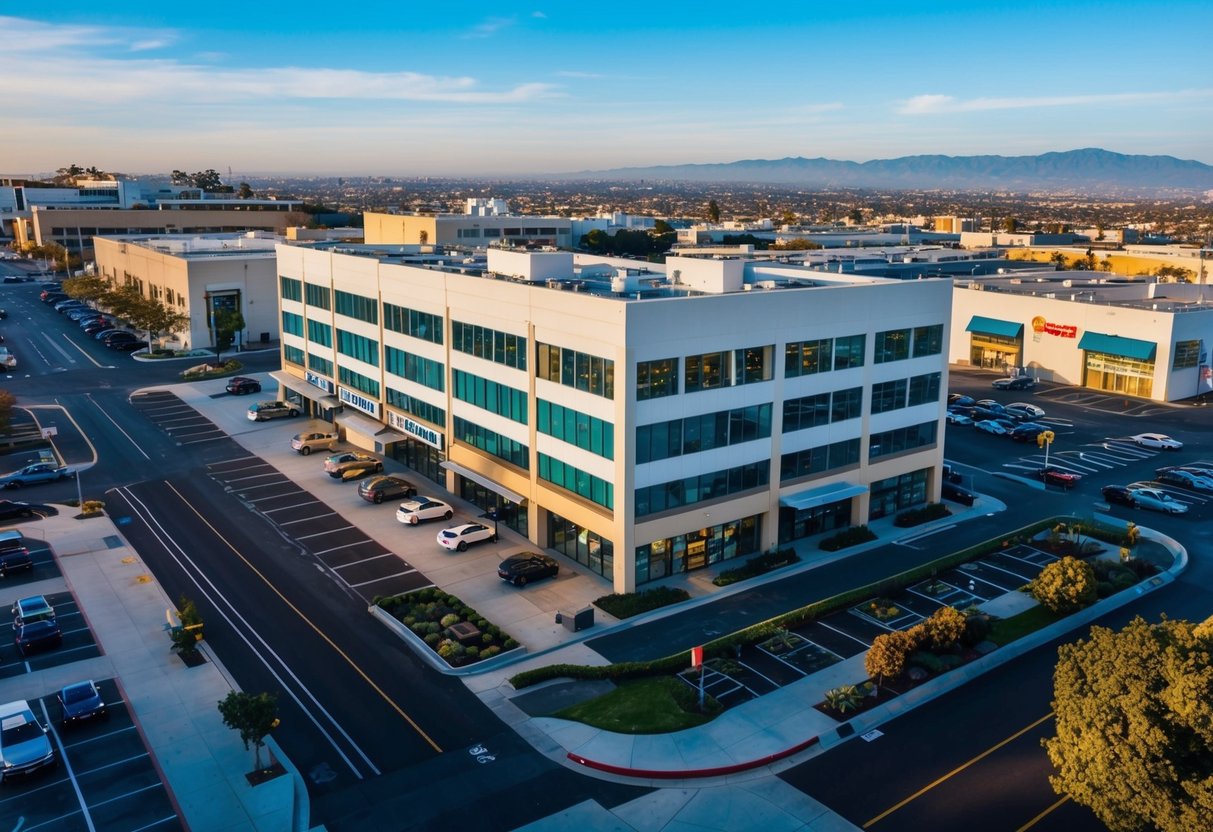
[[1089, 170]]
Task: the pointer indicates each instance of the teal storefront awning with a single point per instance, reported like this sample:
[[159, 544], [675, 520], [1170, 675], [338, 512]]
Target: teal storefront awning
[[993, 326], [822, 495], [1118, 345]]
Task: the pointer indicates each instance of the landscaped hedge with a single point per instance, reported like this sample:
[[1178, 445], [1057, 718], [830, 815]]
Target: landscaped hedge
[[755, 566], [852, 536], [924, 514], [634, 603], [726, 647], [429, 612]]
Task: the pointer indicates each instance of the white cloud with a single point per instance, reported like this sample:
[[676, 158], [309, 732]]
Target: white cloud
[[23, 35], [490, 27], [921, 105]]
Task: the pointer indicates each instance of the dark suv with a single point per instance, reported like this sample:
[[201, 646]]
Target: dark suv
[[13, 554]]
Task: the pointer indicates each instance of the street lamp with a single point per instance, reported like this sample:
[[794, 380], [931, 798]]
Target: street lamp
[[1045, 440]]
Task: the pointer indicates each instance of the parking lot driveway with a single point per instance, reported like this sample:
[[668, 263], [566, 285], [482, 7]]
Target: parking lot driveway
[[78, 642], [104, 780]]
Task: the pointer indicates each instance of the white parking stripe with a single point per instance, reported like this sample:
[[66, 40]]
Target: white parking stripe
[[280, 481], [288, 508], [67, 764], [253, 477], [842, 633], [342, 546], [114, 763], [306, 519], [102, 736], [384, 578], [129, 794], [366, 560], [280, 496], [168, 819], [321, 534]]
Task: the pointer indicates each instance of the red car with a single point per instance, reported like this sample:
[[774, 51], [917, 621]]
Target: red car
[[1055, 476]]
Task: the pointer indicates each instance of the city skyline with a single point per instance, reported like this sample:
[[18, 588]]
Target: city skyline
[[471, 90]]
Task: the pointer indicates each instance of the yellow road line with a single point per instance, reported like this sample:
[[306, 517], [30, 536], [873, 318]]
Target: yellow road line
[[315, 629], [1042, 815], [957, 770]]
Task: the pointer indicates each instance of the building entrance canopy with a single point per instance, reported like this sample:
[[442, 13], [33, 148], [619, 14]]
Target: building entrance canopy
[[368, 427], [1118, 345], [482, 480], [821, 495], [993, 326], [308, 391]]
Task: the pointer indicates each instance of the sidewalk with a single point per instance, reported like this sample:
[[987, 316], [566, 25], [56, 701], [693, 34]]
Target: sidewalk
[[174, 706]]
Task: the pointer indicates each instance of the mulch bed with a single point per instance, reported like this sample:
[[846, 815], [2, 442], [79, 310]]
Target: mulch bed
[[192, 658], [263, 775]]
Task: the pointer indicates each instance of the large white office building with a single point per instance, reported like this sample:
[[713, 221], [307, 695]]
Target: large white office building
[[642, 423]]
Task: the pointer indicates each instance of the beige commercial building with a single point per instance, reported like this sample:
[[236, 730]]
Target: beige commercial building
[[470, 230]]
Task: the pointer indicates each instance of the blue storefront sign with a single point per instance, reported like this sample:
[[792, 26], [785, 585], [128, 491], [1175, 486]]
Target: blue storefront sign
[[427, 435], [319, 381], [359, 401]]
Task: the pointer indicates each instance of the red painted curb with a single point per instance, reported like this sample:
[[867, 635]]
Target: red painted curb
[[716, 771]]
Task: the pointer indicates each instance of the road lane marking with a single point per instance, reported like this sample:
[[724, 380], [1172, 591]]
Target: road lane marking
[[1043, 814], [93, 401], [71, 775], [58, 349], [366, 560], [80, 349], [319, 632], [957, 770]]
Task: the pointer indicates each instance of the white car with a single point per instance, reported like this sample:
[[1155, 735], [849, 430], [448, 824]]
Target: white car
[[419, 508], [1158, 441], [24, 745], [991, 426], [1025, 412], [1156, 499], [460, 537]]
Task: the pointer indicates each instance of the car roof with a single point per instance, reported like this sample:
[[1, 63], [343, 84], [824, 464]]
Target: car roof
[[18, 707]]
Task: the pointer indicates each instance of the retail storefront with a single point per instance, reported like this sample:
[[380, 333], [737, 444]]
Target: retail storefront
[[1117, 364], [891, 495], [588, 548], [698, 549], [816, 510], [420, 448], [316, 394], [494, 498], [994, 344]]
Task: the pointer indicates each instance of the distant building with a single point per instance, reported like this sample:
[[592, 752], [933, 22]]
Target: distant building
[[198, 276], [473, 230], [642, 422]]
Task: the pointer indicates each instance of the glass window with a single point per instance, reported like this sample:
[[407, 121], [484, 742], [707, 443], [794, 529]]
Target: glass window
[[804, 358], [928, 340], [292, 324], [655, 379], [893, 345], [924, 389], [292, 355], [846, 404], [848, 351], [888, 395], [290, 289], [317, 296], [1187, 355]]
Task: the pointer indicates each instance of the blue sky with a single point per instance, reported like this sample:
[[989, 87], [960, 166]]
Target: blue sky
[[482, 89]]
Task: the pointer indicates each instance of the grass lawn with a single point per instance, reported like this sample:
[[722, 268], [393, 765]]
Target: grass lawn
[[645, 706], [1007, 630]]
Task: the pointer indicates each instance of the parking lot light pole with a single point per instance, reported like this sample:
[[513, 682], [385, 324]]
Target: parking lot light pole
[[1045, 439]]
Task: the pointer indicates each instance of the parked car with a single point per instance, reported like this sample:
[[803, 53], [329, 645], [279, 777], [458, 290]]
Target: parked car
[[1027, 431], [1184, 479], [240, 385], [1158, 441], [952, 491], [14, 556], [119, 336], [524, 567], [992, 426], [62, 306], [382, 487], [990, 410], [337, 464], [81, 701], [24, 745], [1014, 383], [17, 510], [1025, 412], [81, 312], [33, 608], [1119, 495], [49, 296], [34, 474], [955, 417], [950, 474], [126, 344], [419, 509], [105, 333], [960, 399], [1156, 499], [261, 411], [460, 537], [1056, 476], [305, 443], [36, 635], [7, 359], [97, 325]]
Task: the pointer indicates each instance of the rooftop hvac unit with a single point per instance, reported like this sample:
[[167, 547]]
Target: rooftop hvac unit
[[555, 284]]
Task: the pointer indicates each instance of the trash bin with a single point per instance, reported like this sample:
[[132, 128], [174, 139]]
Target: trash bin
[[577, 621], [265, 337]]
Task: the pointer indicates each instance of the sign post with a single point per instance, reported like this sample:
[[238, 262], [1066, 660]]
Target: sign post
[[697, 661], [1045, 439]]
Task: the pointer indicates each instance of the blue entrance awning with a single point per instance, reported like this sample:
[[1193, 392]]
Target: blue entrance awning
[[1118, 345], [993, 326], [822, 495]]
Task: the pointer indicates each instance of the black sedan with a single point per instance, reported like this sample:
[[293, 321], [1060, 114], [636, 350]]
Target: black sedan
[[16, 510], [239, 385], [1027, 431], [81, 701], [525, 567], [1016, 383], [1119, 495], [34, 635]]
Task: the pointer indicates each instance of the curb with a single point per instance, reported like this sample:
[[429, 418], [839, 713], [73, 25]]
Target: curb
[[715, 771]]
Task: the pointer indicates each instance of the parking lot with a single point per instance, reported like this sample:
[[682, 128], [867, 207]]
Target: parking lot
[[78, 642], [176, 418], [105, 778]]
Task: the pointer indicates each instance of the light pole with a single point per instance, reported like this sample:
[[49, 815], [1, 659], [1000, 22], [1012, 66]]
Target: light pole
[[1045, 440]]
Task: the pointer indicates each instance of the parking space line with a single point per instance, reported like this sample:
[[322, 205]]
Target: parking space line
[[49, 821], [306, 519], [282, 481], [342, 546], [236, 459], [288, 508], [256, 476], [114, 763], [384, 578], [220, 435], [280, 496], [999, 587], [321, 534], [193, 417], [210, 428], [855, 639], [989, 565], [129, 794], [366, 560], [103, 736], [67, 764], [228, 471], [155, 823]]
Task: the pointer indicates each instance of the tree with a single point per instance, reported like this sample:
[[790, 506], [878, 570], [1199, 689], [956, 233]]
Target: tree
[[1058, 259], [204, 180], [663, 227], [1065, 586], [713, 211], [245, 191], [1134, 722], [253, 716], [1010, 225], [944, 628], [886, 658], [855, 216], [1177, 274], [227, 322], [87, 288]]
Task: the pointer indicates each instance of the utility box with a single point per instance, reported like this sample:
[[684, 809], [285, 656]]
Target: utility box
[[577, 621]]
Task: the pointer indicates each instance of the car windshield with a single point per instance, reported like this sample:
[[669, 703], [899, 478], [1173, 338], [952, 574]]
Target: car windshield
[[77, 693], [449, 533], [18, 732]]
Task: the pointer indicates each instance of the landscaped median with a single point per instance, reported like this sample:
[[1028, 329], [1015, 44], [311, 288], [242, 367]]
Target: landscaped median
[[444, 625], [1087, 561]]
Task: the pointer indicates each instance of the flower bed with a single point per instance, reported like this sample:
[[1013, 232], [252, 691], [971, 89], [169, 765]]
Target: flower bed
[[453, 630], [755, 566], [634, 603]]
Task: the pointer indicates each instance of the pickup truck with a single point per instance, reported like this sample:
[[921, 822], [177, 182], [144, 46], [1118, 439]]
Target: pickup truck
[[35, 473]]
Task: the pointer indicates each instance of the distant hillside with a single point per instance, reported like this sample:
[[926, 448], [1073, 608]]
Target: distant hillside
[[1089, 170]]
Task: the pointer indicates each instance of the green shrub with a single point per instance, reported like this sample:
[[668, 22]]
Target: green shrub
[[844, 698], [486, 638], [1065, 586], [489, 652], [433, 627], [448, 620], [1104, 589], [977, 628], [852, 536], [923, 514], [510, 644], [759, 565], [432, 639], [472, 653], [420, 629], [634, 603]]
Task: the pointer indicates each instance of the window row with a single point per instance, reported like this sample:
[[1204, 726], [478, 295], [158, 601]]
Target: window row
[[578, 370], [290, 288], [588, 548], [727, 369], [491, 395], [416, 407], [317, 296], [902, 439], [655, 379], [292, 324], [802, 358], [898, 344], [676, 437], [822, 408], [358, 346], [817, 460], [423, 325], [323, 366], [696, 489], [294, 355], [894, 395], [358, 307], [423, 371], [491, 345], [586, 432], [1187, 355], [579, 482], [319, 332], [493, 443], [358, 381]]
